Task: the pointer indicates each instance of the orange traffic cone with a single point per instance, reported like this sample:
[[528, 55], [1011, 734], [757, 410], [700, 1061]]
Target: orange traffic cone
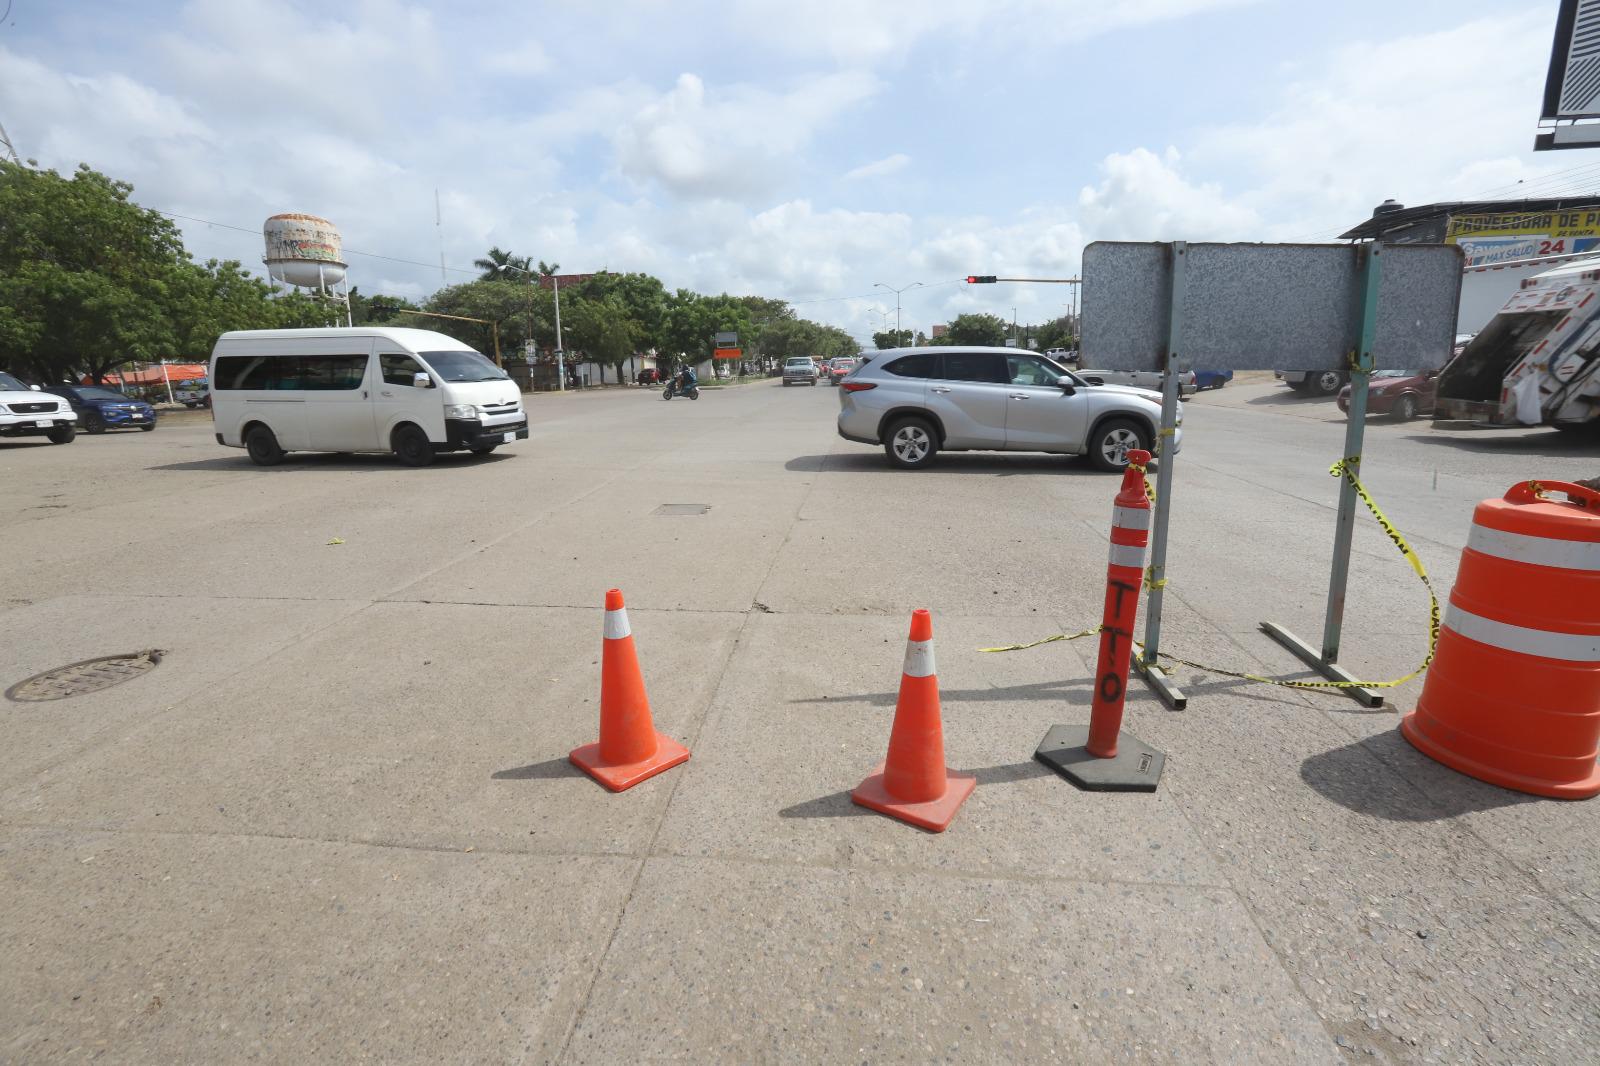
[[630, 750], [913, 784]]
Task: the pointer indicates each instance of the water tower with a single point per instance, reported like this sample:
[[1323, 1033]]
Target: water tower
[[307, 252]]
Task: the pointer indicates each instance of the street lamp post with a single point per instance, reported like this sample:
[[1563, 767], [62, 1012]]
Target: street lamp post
[[897, 292]]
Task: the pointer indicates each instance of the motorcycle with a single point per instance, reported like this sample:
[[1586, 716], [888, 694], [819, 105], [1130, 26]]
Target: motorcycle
[[672, 389]]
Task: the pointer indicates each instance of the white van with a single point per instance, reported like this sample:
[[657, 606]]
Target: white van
[[412, 392]]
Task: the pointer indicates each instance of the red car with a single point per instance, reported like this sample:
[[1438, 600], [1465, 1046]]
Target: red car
[[1404, 394], [649, 376]]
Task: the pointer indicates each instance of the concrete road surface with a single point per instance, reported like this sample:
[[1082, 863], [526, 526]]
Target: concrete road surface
[[336, 822]]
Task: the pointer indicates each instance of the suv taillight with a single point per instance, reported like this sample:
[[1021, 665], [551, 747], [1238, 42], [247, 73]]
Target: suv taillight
[[858, 386]]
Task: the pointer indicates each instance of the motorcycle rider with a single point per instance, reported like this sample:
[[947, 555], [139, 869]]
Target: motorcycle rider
[[686, 379]]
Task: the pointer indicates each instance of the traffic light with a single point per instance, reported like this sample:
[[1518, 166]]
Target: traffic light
[[980, 279]]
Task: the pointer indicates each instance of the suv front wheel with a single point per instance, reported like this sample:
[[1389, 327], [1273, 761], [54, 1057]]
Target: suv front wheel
[[910, 443], [1113, 439]]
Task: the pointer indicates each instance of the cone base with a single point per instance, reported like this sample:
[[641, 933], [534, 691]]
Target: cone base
[[1584, 788], [1136, 767], [933, 815], [620, 776]]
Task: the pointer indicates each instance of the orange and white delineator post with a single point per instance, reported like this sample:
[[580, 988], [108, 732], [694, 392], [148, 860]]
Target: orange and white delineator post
[[629, 750], [913, 784], [1096, 759], [1513, 694]]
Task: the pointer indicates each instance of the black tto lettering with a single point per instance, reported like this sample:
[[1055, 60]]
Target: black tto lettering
[[1110, 687]]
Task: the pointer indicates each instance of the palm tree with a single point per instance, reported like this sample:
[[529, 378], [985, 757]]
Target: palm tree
[[502, 266]]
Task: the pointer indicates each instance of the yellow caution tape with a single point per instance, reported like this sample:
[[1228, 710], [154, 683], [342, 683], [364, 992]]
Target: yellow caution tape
[[1149, 490], [1344, 468]]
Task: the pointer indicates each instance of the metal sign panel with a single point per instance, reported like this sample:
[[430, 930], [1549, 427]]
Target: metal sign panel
[[1266, 306], [1572, 83]]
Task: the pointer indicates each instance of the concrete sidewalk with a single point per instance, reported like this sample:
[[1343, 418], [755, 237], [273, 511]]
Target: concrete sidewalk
[[337, 821]]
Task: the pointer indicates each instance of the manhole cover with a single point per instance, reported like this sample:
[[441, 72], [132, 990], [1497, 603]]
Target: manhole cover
[[91, 675], [682, 508]]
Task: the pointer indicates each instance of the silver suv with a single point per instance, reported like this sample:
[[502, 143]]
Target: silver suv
[[917, 401], [799, 370]]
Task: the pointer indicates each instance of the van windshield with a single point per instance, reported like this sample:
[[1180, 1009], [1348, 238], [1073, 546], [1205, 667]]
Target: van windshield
[[464, 365]]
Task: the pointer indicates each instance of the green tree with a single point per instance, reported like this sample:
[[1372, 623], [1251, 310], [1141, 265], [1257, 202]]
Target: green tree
[[603, 331], [893, 339], [518, 309], [976, 329]]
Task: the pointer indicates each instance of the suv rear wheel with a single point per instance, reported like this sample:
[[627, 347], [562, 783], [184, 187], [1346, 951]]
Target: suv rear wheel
[[910, 443], [1112, 440]]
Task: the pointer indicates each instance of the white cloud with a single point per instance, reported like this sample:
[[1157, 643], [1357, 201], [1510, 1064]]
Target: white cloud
[[519, 61], [1144, 197], [877, 169], [733, 141]]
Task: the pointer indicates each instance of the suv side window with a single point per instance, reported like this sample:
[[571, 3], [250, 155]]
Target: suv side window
[[987, 367], [1029, 370], [915, 366], [398, 368]]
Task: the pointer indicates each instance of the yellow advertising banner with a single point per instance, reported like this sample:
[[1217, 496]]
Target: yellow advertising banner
[[1498, 238]]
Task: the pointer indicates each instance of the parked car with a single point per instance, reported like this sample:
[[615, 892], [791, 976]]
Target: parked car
[[192, 394], [649, 376], [1211, 379], [1064, 356], [100, 408], [838, 368], [1405, 394], [916, 402], [1142, 379], [799, 370], [1313, 382], [25, 411]]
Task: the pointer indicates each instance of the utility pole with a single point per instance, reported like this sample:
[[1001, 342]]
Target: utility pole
[[561, 352], [10, 150]]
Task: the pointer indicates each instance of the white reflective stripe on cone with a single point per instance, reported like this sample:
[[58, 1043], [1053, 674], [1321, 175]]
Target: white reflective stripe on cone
[[1568, 647], [1540, 551], [1127, 555], [919, 658], [617, 625], [1131, 517]]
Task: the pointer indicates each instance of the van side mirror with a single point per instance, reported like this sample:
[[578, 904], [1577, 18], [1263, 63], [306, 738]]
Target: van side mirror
[[421, 380], [34, 388]]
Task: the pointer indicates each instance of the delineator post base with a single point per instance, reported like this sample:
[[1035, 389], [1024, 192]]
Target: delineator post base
[[1135, 768]]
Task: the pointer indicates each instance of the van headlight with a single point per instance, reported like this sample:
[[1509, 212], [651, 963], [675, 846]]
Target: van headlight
[[460, 410]]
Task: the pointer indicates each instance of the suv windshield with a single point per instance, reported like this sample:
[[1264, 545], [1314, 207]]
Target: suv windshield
[[92, 393], [464, 365], [11, 384]]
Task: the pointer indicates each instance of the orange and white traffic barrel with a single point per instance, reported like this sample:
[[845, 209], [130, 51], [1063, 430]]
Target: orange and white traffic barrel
[[1513, 695]]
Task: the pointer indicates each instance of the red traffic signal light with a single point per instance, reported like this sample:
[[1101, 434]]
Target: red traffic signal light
[[980, 279]]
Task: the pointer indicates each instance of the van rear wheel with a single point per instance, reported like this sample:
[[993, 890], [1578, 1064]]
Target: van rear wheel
[[263, 446], [411, 445]]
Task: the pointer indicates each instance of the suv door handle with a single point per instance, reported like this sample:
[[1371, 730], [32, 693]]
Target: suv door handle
[[938, 388], [1019, 396]]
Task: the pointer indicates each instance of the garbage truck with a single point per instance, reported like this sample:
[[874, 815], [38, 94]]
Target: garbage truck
[[1538, 359]]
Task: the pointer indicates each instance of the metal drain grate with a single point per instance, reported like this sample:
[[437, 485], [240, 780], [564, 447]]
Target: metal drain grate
[[91, 675], [682, 509]]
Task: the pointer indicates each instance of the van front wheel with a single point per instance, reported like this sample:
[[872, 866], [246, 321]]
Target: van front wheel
[[411, 445]]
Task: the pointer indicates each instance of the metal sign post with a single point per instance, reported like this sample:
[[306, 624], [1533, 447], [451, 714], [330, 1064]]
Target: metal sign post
[[1265, 307], [1155, 579], [1361, 366]]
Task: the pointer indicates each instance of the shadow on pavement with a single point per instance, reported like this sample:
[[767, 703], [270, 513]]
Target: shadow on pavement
[[1549, 444], [549, 770], [999, 465], [314, 461], [1043, 690], [1287, 398], [839, 805], [1347, 777]]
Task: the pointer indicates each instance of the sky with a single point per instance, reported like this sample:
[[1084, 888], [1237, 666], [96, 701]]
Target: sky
[[803, 149]]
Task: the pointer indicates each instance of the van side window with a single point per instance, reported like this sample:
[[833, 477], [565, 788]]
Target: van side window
[[398, 368], [327, 373]]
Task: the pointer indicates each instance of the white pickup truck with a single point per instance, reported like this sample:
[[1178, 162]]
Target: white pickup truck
[[1141, 379], [1537, 361], [27, 412]]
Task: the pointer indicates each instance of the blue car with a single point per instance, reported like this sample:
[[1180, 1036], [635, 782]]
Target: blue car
[[1212, 379], [99, 408]]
